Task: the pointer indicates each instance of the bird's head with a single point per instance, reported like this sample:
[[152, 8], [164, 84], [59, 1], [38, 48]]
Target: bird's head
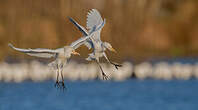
[[109, 47], [69, 50]]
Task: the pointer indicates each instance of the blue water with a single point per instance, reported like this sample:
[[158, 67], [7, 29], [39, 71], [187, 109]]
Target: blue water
[[101, 95]]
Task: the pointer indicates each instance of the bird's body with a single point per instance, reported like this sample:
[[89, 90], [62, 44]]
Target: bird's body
[[97, 52], [95, 22], [60, 55]]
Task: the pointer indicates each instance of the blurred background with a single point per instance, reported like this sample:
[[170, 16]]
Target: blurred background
[[136, 28], [155, 39]]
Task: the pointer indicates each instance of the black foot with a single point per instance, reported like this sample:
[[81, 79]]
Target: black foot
[[57, 84], [63, 85], [104, 76], [117, 65]]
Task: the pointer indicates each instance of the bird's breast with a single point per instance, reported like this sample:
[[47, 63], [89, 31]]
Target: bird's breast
[[61, 56], [98, 46]]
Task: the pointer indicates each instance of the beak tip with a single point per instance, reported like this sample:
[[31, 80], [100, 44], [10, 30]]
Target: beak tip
[[75, 53], [113, 50]]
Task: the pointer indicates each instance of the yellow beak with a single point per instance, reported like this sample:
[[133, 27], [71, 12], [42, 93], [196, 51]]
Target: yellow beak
[[113, 50], [75, 53]]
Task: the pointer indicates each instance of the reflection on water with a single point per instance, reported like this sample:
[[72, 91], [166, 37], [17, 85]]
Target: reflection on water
[[101, 95]]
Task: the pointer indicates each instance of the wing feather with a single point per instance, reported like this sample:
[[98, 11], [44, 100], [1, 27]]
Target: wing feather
[[88, 42], [39, 52], [93, 19], [94, 24], [79, 42], [80, 28]]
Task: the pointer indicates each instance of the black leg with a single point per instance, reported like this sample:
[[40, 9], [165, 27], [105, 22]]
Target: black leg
[[57, 81], [57, 85], [63, 85], [104, 76], [116, 65]]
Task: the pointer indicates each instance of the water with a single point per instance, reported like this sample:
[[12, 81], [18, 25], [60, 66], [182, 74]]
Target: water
[[99, 95]]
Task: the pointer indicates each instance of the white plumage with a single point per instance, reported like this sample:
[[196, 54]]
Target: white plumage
[[93, 19], [60, 55], [95, 24]]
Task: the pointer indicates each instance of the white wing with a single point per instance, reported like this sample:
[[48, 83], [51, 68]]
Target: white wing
[[39, 52], [88, 42], [93, 19], [79, 42], [80, 28], [95, 22]]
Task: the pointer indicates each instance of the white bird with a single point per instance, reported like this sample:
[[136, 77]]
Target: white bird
[[61, 55], [95, 24]]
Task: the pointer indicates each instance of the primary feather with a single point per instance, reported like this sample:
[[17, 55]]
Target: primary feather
[[79, 42], [94, 24], [93, 19], [39, 52]]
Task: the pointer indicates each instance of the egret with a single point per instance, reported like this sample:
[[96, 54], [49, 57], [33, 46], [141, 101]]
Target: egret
[[95, 23], [61, 56]]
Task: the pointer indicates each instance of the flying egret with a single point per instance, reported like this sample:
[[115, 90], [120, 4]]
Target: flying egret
[[61, 55], [95, 23]]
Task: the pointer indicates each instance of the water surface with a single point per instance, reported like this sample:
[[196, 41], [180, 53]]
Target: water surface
[[101, 95]]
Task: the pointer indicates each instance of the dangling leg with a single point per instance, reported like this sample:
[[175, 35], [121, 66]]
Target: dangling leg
[[57, 76], [104, 76], [63, 85], [116, 65]]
